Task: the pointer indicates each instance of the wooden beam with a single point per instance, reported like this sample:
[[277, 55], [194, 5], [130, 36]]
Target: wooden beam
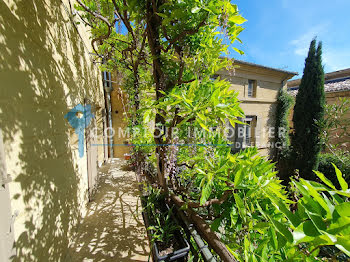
[[205, 231]]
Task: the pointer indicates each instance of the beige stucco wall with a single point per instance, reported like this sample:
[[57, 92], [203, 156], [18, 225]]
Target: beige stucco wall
[[263, 105], [333, 98], [120, 123], [45, 70]]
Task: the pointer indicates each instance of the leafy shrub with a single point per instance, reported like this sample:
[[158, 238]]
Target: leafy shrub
[[284, 103], [323, 215], [336, 124], [283, 151], [161, 221], [341, 161], [259, 223]]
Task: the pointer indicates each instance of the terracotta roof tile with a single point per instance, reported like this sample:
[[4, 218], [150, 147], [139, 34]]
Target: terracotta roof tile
[[335, 85]]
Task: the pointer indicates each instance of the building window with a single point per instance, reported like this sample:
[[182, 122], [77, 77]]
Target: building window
[[248, 132], [107, 79], [252, 85], [245, 133]]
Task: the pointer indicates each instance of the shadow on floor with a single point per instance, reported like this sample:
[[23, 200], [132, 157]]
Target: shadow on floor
[[113, 228]]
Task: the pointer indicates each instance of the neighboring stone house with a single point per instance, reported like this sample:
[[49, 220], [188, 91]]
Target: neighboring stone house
[[46, 69], [337, 86], [258, 87]]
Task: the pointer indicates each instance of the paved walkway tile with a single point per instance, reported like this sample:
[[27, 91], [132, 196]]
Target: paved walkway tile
[[113, 228]]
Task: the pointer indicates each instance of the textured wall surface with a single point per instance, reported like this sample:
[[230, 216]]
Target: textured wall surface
[[120, 123], [334, 98], [263, 105], [45, 70]]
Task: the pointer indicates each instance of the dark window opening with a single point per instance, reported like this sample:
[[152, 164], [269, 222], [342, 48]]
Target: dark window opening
[[252, 85]]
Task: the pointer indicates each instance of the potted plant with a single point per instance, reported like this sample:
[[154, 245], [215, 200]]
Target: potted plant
[[127, 156], [168, 243]]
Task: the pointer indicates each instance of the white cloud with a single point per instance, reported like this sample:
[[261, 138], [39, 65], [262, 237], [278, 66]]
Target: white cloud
[[336, 59], [302, 43]]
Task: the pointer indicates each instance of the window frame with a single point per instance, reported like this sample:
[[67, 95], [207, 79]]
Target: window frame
[[252, 86]]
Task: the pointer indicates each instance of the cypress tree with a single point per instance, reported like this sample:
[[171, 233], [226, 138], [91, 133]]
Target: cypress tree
[[308, 114]]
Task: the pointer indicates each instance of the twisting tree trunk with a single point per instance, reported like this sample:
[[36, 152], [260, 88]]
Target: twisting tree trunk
[[154, 23]]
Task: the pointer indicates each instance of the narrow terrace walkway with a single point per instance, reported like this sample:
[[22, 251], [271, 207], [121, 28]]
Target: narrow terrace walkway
[[113, 228]]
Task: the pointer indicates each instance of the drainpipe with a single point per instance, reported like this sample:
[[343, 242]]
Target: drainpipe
[[204, 249], [107, 89]]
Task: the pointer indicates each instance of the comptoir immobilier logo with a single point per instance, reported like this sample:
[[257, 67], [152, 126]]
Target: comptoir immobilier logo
[[80, 118]]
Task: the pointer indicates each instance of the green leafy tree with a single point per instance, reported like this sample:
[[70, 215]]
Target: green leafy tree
[[308, 112], [179, 43], [182, 39]]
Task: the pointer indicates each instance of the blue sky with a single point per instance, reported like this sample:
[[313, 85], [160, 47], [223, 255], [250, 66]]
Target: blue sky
[[278, 32]]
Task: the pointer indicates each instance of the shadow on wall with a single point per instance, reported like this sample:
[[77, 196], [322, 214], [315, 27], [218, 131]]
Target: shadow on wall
[[35, 39]]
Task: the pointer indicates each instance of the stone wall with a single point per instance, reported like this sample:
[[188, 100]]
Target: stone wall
[[45, 70], [332, 98], [263, 105]]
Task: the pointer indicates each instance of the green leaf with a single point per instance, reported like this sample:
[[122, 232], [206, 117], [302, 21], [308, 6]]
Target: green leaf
[[343, 243], [201, 171], [273, 237], [317, 220], [239, 40], [246, 248], [195, 10], [147, 116], [201, 123], [206, 191], [201, 116], [342, 182], [261, 225], [232, 122], [341, 226], [216, 224], [162, 15], [237, 19], [236, 255], [282, 241], [293, 218], [238, 51], [215, 97], [238, 177], [309, 229], [311, 204], [240, 206], [324, 179], [329, 203], [282, 229], [312, 191], [343, 209]]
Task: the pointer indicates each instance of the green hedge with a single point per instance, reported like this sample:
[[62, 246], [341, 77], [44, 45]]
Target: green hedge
[[326, 167]]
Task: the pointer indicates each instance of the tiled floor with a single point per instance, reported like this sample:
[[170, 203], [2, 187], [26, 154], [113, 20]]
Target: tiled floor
[[113, 228]]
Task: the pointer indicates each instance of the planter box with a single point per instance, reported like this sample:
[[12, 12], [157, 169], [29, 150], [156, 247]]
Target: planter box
[[127, 156], [176, 254]]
